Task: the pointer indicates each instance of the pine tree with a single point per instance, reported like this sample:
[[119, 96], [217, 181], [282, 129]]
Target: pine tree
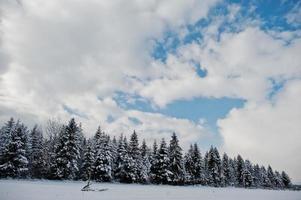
[[159, 170], [199, 174], [271, 176], [67, 152], [286, 180], [135, 155], [278, 180], [214, 167], [256, 176], [264, 179], [123, 163], [194, 166], [226, 173], [103, 158], [146, 164], [5, 136], [206, 167], [154, 152], [26, 138], [37, 160], [232, 170], [5, 139], [247, 179], [14, 157], [247, 174], [81, 145], [88, 162], [176, 166], [114, 148], [53, 130], [240, 165], [189, 166]]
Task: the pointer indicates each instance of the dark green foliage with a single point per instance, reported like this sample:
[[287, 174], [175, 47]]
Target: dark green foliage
[[176, 165], [67, 152], [286, 180], [160, 173], [214, 167], [64, 153], [240, 165], [38, 163]]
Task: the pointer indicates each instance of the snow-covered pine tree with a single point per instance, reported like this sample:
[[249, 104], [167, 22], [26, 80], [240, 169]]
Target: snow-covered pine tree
[[114, 147], [26, 138], [126, 144], [206, 167], [247, 174], [226, 173], [88, 162], [146, 164], [37, 160], [135, 155], [5, 135], [58, 153], [176, 165], [14, 156], [81, 144], [232, 168], [240, 165], [271, 176], [256, 176], [103, 157], [249, 166], [160, 173], [264, 179], [154, 152], [189, 167], [199, 171], [53, 146], [5, 139], [247, 179], [214, 167], [53, 130], [278, 180], [67, 152], [286, 180], [123, 163]]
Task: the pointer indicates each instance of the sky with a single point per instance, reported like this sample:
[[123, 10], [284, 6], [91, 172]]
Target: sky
[[223, 73]]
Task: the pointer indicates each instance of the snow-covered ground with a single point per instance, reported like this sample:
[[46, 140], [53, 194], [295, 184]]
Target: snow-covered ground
[[65, 190]]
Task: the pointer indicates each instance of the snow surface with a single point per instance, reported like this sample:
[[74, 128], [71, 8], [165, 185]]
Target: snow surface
[[69, 190]]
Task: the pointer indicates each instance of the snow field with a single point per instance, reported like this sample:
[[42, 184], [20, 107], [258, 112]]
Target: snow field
[[71, 190]]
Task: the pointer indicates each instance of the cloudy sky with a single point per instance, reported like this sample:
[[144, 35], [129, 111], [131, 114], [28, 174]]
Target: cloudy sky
[[221, 73]]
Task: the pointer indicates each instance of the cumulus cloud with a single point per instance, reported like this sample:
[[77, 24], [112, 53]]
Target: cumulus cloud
[[239, 65], [68, 58], [115, 120], [268, 132]]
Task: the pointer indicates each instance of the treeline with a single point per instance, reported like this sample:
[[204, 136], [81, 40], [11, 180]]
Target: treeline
[[63, 153]]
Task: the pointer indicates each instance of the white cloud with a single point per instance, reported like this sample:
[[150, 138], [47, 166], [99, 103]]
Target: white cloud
[[239, 65], [150, 126], [268, 133], [73, 53], [155, 126]]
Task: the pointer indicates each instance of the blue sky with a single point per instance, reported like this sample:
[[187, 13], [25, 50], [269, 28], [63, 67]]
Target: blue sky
[[206, 110], [216, 72], [272, 16]]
